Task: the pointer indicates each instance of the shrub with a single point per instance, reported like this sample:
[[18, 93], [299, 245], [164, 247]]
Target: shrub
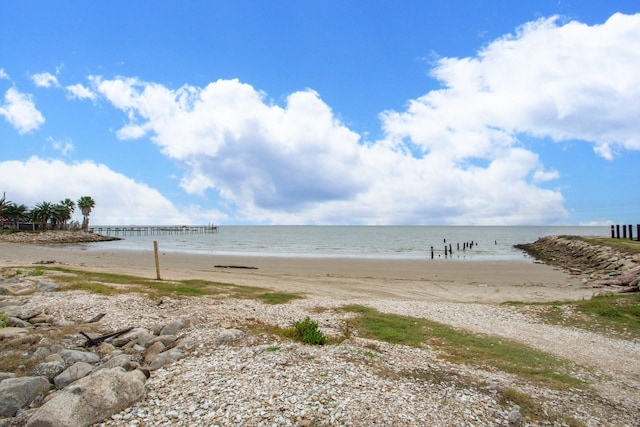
[[307, 331], [3, 319]]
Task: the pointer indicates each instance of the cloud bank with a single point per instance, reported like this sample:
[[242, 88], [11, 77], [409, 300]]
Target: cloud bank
[[119, 199]]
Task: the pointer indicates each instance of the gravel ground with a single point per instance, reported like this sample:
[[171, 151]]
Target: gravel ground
[[262, 380]]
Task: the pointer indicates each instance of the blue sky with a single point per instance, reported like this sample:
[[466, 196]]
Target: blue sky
[[324, 112]]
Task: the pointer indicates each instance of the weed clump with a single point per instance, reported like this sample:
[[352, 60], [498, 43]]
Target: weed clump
[[307, 331], [3, 319]]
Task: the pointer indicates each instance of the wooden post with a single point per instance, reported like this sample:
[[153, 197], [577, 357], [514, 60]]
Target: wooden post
[[617, 231], [613, 231], [155, 253], [431, 252], [638, 231], [624, 231], [630, 232]]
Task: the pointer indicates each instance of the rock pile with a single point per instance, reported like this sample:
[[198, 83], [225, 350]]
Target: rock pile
[[600, 265], [73, 379], [53, 237]]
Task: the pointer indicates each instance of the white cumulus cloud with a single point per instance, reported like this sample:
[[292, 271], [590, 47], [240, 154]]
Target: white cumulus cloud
[[565, 82], [44, 80], [119, 199], [297, 163], [20, 111], [65, 147], [79, 91]]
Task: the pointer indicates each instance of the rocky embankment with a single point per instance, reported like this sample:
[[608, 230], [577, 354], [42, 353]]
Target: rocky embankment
[[599, 265], [67, 375], [53, 237]]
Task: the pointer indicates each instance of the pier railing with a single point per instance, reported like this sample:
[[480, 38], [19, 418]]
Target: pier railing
[[615, 231], [153, 230]]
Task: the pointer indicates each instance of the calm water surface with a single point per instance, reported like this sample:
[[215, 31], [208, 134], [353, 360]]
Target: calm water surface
[[378, 242]]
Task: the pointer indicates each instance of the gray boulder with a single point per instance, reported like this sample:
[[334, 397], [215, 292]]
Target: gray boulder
[[144, 338], [164, 339], [515, 418], [5, 375], [125, 338], [73, 356], [10, 332], [153, 351], [40, 353], [71, 374], [49, 370], [166, 358], [18, 393], [91, 399], [228, 335], [18, 323], [46, 287], [121, 361], [173, 327]]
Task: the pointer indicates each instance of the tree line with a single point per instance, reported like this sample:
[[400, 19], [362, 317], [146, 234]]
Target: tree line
[[46, 215]]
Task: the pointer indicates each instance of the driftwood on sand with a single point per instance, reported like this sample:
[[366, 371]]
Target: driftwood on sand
[[95, 341]]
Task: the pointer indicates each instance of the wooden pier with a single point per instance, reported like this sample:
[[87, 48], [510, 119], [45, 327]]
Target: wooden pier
[[153, 230]]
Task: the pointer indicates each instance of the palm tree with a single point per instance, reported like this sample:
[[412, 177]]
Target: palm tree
[[16, 213], [42, 213], [86, 203], [63, 211], [3, 204]]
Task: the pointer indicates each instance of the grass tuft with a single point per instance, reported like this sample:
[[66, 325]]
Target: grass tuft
[[277, 297]]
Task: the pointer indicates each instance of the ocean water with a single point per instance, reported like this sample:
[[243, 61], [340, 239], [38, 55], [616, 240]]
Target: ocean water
[[376, 242]]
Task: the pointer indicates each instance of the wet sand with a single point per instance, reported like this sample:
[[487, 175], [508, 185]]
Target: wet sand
[[349, 279]]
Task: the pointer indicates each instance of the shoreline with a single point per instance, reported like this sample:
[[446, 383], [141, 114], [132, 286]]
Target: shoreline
[[348, 278]]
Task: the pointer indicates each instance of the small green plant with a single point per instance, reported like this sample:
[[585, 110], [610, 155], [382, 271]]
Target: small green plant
[[307, 331], [3, 319]]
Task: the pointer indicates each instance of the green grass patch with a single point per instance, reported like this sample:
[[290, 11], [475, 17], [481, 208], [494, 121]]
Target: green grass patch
[[612, 315], [277, 297], [3, 319], [96, 288], [459, 346], [391, 328], [625, 245], [109, 283]]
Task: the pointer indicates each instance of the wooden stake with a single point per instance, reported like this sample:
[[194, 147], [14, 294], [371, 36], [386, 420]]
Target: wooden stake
[[155, 252]]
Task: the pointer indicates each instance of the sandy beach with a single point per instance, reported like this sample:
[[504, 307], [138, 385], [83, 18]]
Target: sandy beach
[[415, 280]]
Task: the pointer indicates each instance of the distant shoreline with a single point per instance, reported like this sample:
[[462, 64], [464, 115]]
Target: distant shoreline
[[52, 237]]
